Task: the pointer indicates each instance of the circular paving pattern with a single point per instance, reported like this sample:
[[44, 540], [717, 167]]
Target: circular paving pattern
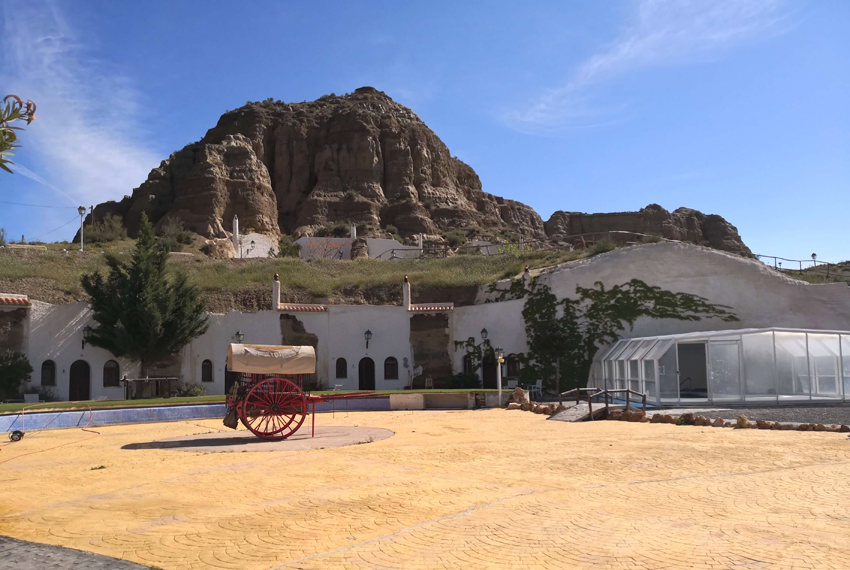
[[240, 441]]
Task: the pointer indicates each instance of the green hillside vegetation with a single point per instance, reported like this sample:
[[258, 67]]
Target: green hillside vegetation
[[56, 274]]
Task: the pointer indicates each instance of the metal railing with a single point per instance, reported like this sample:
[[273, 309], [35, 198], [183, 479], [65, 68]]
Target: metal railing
[[569, 243], [812, 266], [596, 393]]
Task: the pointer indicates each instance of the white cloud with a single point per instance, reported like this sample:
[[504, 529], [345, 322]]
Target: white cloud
[[87, 135], [664, 32]]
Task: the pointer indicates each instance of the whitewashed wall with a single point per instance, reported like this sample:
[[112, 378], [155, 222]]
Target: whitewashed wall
[[390, 328], [56, 333], [340, 333], [759, 296], [382, 247], [504, 324]]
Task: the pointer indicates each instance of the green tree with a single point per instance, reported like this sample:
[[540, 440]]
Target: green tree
[[569, 332], [287, 247], [15, 369], [141, 312], [13, 109]]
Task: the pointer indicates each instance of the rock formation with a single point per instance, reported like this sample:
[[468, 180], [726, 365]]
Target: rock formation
[[300, 168], [683, 224]]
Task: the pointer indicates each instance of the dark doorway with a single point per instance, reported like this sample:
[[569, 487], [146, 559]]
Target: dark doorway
[[693, 376], [80, 384], [489, 366], [366, 374], [230, 378]]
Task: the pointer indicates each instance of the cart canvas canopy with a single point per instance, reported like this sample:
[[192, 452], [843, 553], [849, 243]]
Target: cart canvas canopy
[[271, 359]]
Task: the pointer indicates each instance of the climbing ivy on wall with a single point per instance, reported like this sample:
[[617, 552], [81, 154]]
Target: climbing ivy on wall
[[476, 352], [571, 331]]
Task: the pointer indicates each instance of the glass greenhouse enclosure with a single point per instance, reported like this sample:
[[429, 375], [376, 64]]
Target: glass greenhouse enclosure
[[750, 365]]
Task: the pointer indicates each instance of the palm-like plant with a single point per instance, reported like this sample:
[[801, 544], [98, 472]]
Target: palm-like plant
[[13, 109]]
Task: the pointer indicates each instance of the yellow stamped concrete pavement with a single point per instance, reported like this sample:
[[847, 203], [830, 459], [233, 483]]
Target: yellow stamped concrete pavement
[[470, 489]]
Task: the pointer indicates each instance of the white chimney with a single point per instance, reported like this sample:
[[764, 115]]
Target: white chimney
[[236, 236], [405, 292], [353, 231], [420, 241], [276, 293]]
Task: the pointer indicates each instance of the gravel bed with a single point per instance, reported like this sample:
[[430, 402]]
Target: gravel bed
[[806, 415]]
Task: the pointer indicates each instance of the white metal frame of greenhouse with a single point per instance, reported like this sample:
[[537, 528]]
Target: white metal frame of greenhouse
[[765, 366]]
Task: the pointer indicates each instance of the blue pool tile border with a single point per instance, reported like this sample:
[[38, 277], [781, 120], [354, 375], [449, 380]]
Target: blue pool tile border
[[35, 421]]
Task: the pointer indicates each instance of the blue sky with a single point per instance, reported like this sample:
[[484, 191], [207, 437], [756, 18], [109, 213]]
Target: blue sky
[[733, 107]]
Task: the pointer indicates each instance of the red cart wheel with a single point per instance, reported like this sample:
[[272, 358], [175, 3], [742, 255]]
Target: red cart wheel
[[274, 409]]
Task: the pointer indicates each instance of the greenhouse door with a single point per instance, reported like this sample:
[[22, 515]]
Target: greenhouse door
[[693, 371]]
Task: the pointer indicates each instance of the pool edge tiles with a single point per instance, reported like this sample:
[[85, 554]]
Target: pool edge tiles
[[35, 421]]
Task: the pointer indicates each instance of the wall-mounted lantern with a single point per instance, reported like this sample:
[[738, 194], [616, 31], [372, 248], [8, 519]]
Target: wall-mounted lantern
[[239, 336], [484, 334], [368, 336], [87, 330]]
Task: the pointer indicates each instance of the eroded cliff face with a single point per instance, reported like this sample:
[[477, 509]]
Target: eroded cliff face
[[295, 168], [683, 224], [300, 168]]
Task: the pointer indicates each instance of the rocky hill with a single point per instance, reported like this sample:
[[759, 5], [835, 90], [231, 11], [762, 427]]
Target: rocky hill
[[302, 168]]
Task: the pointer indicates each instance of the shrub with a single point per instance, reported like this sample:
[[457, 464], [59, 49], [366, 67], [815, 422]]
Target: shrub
[[15, 369], [191, 390], [392, 229], [601, 247], [465, 381], [455, 238], [288, 248], [174, 235], [323, 231], [340, 230], [652, 239], [110, 228], [209, 249], [2, 237]]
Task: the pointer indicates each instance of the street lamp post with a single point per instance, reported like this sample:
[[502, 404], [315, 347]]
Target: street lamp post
[[82, 211], [500, 358]]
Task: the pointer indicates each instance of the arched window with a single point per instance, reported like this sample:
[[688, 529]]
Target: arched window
[[390, 369], [513, 365], [206, 371], [467, 364], [341, 368], [48, 373], [111, 374]]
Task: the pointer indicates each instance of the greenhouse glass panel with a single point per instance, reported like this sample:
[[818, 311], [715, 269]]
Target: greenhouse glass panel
[[644, 349], [668, 378], [845, 358], [621, 375], [616, 350], [792, 366], [693, 370], [825, 364], [649, 380], [660, 349], [724, 366], [759, 367]]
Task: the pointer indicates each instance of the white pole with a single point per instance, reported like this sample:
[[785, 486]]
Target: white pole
[[82, 211], [499, 380]]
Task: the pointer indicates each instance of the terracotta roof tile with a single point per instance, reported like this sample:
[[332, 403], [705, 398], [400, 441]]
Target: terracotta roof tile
[[9, 299], [431, 307], [302, 308]]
